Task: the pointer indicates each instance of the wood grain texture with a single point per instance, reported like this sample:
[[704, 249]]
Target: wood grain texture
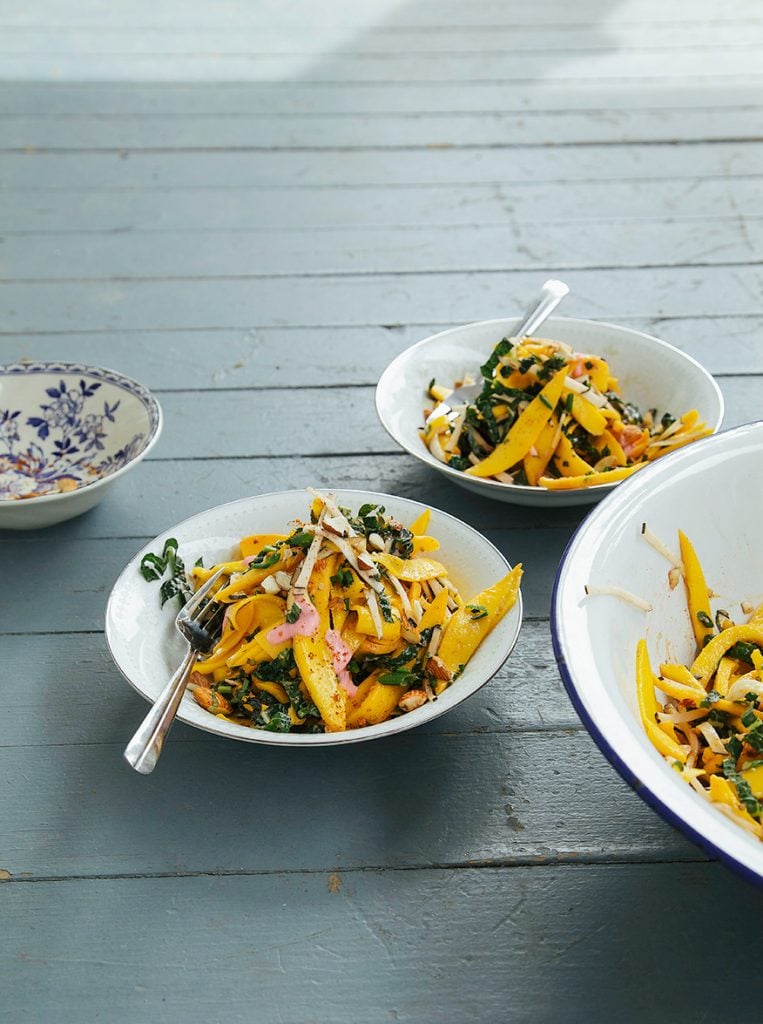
[[215, 253], [499, 946], [250, 302], [515, 207], [252, 208], [420, 799], [571, 164], [235, 99]]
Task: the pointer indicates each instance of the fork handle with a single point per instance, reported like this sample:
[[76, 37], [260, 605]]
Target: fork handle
[[143, 750]]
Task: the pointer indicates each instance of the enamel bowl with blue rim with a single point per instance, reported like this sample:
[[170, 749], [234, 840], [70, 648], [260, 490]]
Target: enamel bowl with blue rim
[[713, 492]]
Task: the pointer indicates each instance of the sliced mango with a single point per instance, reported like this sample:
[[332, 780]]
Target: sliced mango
[[466, 629], [411, 569], [525, 432], [697, 596]]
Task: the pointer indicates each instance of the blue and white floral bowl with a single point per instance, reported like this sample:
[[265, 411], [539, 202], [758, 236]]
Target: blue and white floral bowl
[[67, 432]]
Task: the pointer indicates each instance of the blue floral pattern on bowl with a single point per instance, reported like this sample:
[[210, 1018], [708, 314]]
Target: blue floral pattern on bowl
[[65, 438]]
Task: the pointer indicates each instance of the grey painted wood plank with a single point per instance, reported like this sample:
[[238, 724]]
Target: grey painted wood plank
[[380, 131], [513, 206], [498, 946], [249, 302], [166, 492], [65, 685], [90, 567], [569, 164], [303, 421], [591, 65], [416, 800], [219, 253], [189, 100], [254, 358], [379, 41], [433, 13]]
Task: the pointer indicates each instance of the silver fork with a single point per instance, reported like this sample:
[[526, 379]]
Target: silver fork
[[551, 294], [197, 621]]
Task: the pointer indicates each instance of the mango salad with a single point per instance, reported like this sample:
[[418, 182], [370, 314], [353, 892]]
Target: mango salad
[[548, 416], [706, 718], [343, 622]]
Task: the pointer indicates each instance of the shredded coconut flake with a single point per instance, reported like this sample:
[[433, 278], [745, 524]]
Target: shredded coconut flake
[[624, 595]]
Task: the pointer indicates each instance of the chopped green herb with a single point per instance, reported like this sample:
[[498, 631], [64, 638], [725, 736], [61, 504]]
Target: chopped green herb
[[477, 611], [705, 619], [293, 613], [343, 577], [399, 677]]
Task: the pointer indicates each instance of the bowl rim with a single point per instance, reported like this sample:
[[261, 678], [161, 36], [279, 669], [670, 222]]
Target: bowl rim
[[498, 485], [109, 376], [649, 795], [392, 727]]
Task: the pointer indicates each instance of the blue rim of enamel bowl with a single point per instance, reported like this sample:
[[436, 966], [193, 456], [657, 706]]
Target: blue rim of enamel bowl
[[648, 795]]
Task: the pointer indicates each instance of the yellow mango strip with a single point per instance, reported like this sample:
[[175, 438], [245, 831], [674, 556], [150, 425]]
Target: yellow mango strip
[[294, 717], [372, 645], [373, 703], [539, 455], [567, 461], [607, 440], [665, 745], [464, 633], [757, 661], [246, 583], [707, 661], [201, 575], [723, 792], [588, 416], [647, 701], [525, 431], [365, 625], [411, 569], [316, 507], [257, 541], [314, 659], [435, 612], [569, 483], [522, 381], [681, 692], [669, 729], [690, 418], [597, 371], [727, 667], [754, 776], [420, 523], [681, 674], [275, 689], [269, 650], [245, 616], [339, 613], [422, 544], [681, 439]]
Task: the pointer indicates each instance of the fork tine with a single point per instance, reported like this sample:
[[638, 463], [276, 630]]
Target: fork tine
[[190, 608]]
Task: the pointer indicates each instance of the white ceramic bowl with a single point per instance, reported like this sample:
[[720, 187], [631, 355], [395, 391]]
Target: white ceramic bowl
[[67, 433], [651, 374], [713, 491], [146, 648]]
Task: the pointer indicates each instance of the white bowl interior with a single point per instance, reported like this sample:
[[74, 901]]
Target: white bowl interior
[[146, 648], [652, 374], [713, 491]]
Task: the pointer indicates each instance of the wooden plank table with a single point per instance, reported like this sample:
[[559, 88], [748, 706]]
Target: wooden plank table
[[252, 207]]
